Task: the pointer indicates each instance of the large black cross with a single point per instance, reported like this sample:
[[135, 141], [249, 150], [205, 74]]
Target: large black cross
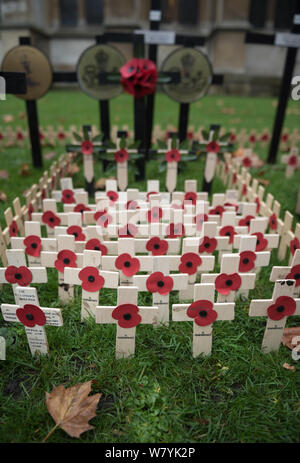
[[293, 43]]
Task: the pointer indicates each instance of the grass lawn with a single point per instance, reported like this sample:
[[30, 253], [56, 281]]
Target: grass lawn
[[237, 394]]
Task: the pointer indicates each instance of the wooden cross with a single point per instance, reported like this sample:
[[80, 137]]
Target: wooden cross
[[230, 229], [264, 242], [277, 309], [160, 282], [4, 241], [126, 315], [50, 217], [229, 280], [65, 256], [203, 312], [294, 241], [14, 223], [67, 192], [292, 161], [33, 243], [17, 273], [28, 311], [289, 272], [91, 283], [285, 232]]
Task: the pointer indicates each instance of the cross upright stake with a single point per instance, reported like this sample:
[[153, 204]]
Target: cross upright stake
[[92, 280], [277, 309], [126, 315], [292, 161], [34, 317], [203, 312]]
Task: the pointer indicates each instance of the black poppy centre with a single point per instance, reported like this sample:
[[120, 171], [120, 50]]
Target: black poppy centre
[[127, 316], [206, 245], [246, 261], [127, 264], [156, 246], [160, 283], [34, 245], [18, 276], [280, 308], [29, 316], [228, 282], [91, 279], [203, 313], [66, 261], [189, 264]]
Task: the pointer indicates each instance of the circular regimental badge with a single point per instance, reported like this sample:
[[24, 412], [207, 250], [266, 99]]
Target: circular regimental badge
[[94, 61], [195, 74], [35, 65]]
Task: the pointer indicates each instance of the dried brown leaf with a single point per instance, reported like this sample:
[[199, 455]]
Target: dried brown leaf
[[72, 408], [287, 366], [4, 174], [100, 184], [24, 169], [3, 196], [289, 337], [49, 155], [264, 181], [73, 169], [8, 118]]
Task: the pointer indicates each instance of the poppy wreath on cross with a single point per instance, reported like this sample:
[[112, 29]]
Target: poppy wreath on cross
[[139, 77]]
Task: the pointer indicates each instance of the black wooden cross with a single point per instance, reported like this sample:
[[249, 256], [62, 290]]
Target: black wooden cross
[[292, 41]]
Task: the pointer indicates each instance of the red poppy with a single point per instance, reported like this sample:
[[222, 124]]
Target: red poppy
[[1, 136], [294, 244], [225, 283], [226, 168], [245, 222], [199, 219], [53, 182], [65, 258], [50, 219], [203, 313], [283, 307], [20, 275], [294, 275], [20, 136], [234, 178], [284, 137], [95, 245], [191, 196], [33, 245], [112, 196], [92, 281], [265, 137], [151, 193], [175, 230], [244, 189], [218, 210], [13, 229], [102, 218], [261, 242], [127, 264], [44, 193], [273, 222], [128, 231], [212, 147], [81, 208], [67, 196], [76, 231], [42, 136], [246, 162], [155, 214], [190, 261], [293, 160], [87, 147], [61, 136], [157, 246], [173, 155], [31, 315], [132, 205], [257, 201], [207, 245], [157, 282], [247, 259], [139, 77], [232, 137], [121, 155], [252, 138], [127, 315], [30, 211], [228, 230], [227, 204]]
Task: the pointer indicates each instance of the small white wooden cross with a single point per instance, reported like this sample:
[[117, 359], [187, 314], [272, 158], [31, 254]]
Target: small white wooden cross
[[292, 161], [27, 310], [126, 315], [264, 241], [17, 273], [203, 312], [4, 240], [289, 272], [285, 231], [92, 280], [294, 242], [33, 243], [229, 280], [277, 309], [14, 223], [67, 192], [65, 256], [50, 217], [160, 283]]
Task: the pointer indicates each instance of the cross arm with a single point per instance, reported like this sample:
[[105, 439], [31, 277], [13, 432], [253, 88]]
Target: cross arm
[[39, 275], [53, 316], [180, 281], [71, 277], [248, 279]]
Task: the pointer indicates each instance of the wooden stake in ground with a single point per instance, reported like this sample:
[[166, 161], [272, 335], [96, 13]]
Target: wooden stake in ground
[[292, 161], [2, 348], [290, 272], [277, 309], [33, 317], [203, 312], [126, 315], [92, 280], [160, 283]]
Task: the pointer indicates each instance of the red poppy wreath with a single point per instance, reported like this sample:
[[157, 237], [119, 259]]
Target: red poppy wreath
[[139, 77]]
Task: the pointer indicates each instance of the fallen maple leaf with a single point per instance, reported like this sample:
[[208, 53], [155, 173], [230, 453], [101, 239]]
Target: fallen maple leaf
[[287, 366], [4, 174], [290, 335], [71, 408]]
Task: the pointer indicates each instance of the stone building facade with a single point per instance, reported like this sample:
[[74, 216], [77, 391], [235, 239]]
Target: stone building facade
[[63, 29]]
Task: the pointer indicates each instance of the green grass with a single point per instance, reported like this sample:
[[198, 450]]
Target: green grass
[[237, 394]]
